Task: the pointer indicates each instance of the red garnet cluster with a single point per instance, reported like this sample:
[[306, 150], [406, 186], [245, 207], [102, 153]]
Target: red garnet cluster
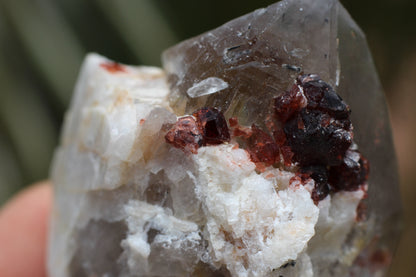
[[317, 128], [311, 127], [206, 126]]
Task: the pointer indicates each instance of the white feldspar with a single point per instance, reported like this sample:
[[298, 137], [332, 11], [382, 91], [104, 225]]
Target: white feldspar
[[253, 228], [129, 204], [337, 216]]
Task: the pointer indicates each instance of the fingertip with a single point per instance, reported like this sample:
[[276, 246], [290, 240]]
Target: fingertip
[[23, 232]]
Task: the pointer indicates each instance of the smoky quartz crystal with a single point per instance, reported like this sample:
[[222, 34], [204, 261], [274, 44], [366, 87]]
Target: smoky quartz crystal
[[262, 148]]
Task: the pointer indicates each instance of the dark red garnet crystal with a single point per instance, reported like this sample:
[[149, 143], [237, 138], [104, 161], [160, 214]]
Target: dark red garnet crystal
[[317, 128], [319, 174], [262, 147], [207, 126], [185, 135], [313, 130], [212, 125], [316, 122], [317, 139], [351, 173]]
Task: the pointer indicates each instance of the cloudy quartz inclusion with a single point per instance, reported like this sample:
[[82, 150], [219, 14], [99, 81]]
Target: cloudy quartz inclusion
[[262, 149]]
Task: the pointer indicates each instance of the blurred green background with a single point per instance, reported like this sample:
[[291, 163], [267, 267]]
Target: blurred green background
[[43, 42]]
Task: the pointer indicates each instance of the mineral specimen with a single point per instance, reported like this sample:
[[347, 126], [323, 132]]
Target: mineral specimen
[[248, 155]]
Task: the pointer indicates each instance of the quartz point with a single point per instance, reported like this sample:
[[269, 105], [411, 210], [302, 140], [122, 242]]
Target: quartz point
[[263, 148]]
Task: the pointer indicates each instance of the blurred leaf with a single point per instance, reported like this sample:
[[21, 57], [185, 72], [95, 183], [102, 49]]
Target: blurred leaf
[[50, 42], [28, 124], [95, 30], [10, 172], [142, 26]]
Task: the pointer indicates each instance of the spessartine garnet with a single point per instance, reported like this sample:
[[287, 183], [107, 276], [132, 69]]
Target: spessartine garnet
[[262, 147], [212, 125], [206, 126], [185, 134], [317, 124], [317, 135], [149, 170], [351, 173]]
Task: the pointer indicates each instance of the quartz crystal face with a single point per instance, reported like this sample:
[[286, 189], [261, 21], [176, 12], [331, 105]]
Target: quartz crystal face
[[263, 148]]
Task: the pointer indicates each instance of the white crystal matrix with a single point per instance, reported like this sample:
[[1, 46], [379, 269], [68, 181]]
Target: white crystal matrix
[[129, 204]]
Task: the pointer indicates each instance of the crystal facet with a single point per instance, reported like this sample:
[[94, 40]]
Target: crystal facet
[[262, 149]]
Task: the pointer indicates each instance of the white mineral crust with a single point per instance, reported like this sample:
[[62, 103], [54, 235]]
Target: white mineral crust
[[128, 204], [252, 227]]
